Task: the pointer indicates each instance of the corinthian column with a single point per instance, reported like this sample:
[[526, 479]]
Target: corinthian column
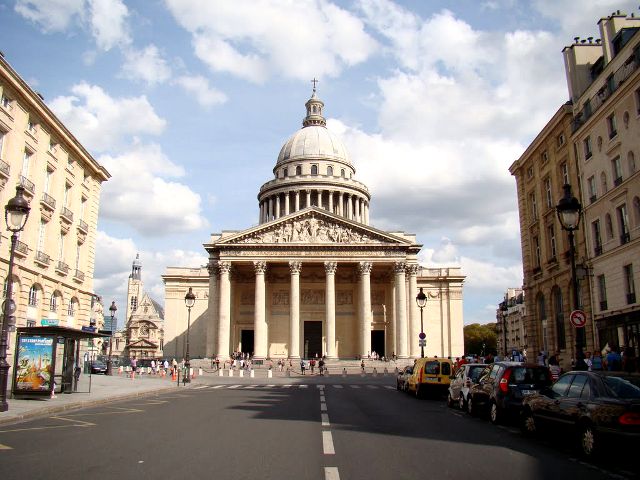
[[294, 314], [364, 269], [297, 201], [224, 311], [330, 314], [212, 310], [414, 319], [278, 206], [260, 330], [401, 309], [287, 199]]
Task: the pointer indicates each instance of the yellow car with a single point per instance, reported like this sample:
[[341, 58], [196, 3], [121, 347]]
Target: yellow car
[[430, 375]]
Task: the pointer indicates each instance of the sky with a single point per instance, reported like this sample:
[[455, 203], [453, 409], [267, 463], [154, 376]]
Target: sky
[[187, 103]]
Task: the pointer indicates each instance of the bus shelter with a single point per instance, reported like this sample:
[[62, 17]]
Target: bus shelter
[[46, 357]]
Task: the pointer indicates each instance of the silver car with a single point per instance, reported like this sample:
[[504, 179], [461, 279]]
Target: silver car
[[465, 376]]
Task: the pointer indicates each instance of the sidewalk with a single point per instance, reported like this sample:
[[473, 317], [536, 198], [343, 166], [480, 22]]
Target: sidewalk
[[104, 389]]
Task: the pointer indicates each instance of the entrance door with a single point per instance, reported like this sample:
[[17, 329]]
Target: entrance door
[[312, 339], [246, 341], [377, 342]]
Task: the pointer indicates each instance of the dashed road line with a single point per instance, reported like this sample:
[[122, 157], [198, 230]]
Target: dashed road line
[[331, 473], [338, 386], [355, 386], [325, 419], [234, 386], [5, 447], [327, 443]]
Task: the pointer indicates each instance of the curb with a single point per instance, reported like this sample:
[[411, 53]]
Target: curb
[[44, 411]]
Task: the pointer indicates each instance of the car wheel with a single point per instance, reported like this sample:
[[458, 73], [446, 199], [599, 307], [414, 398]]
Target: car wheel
[[528, 423], [495, 415], [588, 441], [450, 401], [461, 402], [471, 409]]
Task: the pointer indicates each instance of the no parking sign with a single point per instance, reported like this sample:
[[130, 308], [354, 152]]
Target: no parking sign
[[578, 318]]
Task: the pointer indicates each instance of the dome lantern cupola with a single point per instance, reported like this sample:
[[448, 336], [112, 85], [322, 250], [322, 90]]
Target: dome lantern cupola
[[314, 110]]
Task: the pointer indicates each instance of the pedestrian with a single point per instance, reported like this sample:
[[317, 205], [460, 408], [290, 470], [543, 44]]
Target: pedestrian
[[540, 359], [165, 365], [321, 366], [596, 361], [588, 361], [174, 367], [134, 364], [613, 360], [153, 367], [362, 365], [312, 364], [302, 366]]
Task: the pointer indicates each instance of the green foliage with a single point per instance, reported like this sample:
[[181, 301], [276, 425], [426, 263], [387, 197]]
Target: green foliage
[[475, 335]]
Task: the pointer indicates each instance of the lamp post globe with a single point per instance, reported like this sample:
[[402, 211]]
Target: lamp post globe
[[112, 311], [568, 211], [421, 301], [16, 213], [189, 301]]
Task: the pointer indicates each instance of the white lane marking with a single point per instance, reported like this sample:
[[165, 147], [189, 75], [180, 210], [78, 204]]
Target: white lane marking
[[322, 398], [355, 386], [323, 407], [303, 386], [337, 386], [327, 443], [325, 419], [373, 387], [5, 447], [287, 386], [251, 386], [321, 387], [218, 386], [331, 473], [269, 386], [200, 387], [235, 386], [389, 387]]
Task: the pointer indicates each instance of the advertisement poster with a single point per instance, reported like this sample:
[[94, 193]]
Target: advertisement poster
[[34, 366]]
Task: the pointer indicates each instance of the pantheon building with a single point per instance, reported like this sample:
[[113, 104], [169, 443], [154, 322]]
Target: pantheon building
[[313, 277]]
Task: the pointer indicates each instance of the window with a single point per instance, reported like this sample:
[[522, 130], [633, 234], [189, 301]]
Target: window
[[588, 150], [53, 146], [591, 185], [342, 173], [616, 168], [608, 225], [597, 238], [285, 173], [631, 160], [6, 103], [72, 308], [31, 126], [561, 140], [47, 180], [562, 385], [623, 223], [298, 170], [65, 200], [629, 284], [602, 292], [134, 303], [78, 257], [612, 125], [547, 191], [330, 171], [314, 169], [61, 247], [552, 242], [536, 252], [575, 390], [530, 172], [2, 135], [534, 206], [565, 173], [41, 236], [53, 303], [26, 163], [559, 317], [33, 296], [636, 210], [638, 101], [603, 183], [544, 156]]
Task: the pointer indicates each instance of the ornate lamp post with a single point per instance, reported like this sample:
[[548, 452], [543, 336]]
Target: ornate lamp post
[[16, 213], [568, 210], [421, 300], [112, 311], [189, 301]]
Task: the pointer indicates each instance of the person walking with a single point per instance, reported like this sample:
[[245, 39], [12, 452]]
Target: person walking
[[302, 366], [134, 364], [596, 361], [312, 364], [321, 366], [362, 365], [613, 360]]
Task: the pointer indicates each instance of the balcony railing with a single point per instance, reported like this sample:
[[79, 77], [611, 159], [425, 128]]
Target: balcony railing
[[43, 258], [62, 267], [22, 248], [67, 214], [617, 181], [82, 225], [631, 297], [5, 168], [79, 275], [624, 238], [27, 184], [594, 103], [49, 200]]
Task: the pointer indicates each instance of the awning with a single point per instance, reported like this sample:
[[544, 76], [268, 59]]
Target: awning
[[65, 332]]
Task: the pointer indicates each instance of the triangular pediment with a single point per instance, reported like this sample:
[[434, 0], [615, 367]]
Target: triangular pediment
[[313, 226], [142, 343]]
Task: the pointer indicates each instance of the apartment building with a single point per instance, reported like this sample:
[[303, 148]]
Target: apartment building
[[604, 85], [510, 325], [55, 254]]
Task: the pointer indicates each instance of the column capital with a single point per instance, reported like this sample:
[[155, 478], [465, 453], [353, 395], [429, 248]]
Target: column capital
[[330, 267], [364, 268], [412, 269], [213, 267], [225, 267], [260, 266], [295, 267], [399, 267]]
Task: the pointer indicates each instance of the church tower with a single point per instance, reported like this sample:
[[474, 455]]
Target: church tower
[[134, 287]]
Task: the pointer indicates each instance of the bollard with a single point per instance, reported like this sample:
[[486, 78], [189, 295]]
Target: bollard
[[344, 372], [326, 372], [231, 372], [396, 371], [200, 372], [252, 374], [375, 372], [241, 373], [192, 373], [221, 373], [386, 371], [269, 374]]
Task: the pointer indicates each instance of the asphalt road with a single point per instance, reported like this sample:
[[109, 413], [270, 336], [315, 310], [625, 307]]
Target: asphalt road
[[321, 429]]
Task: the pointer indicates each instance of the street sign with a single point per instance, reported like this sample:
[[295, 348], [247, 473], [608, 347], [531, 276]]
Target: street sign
[[88, 329], [422, 335], [49, 322], [422, 343], [578, 318], [12, 306]]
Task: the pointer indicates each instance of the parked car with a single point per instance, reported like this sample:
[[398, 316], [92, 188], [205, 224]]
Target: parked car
[[403, 375], [501, 389], [602, 408], [467, 375], [430, 375], [98, 367]]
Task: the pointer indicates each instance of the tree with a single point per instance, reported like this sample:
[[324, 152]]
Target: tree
[[475, 335]]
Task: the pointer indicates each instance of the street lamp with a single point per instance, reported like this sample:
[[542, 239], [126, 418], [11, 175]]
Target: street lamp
[[112, 311], [189, 301], [421, 300], [16, 213], [568, 210]]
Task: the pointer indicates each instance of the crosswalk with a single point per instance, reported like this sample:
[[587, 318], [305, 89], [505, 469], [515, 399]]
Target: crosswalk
[[290, 386]]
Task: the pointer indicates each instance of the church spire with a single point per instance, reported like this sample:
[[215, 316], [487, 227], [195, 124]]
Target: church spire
[[136, 269], [314, 110]]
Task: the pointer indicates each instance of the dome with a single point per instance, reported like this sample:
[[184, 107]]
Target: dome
[[313, 142]]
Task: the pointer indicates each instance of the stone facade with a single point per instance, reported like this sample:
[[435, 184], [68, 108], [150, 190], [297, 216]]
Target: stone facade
[[510, 320], [313, 277]]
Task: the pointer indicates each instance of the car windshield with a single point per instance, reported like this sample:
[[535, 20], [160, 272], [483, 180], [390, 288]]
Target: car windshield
[[432, 368], [475, 372], [623, 387], [530, 375]]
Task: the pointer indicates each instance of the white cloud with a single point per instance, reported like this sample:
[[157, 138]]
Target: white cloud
[[108, 20], [199, 87], [162, 207], [51, 15], [102, 122], [146, 65], [257, 39], [113, 266], [487, 276]]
